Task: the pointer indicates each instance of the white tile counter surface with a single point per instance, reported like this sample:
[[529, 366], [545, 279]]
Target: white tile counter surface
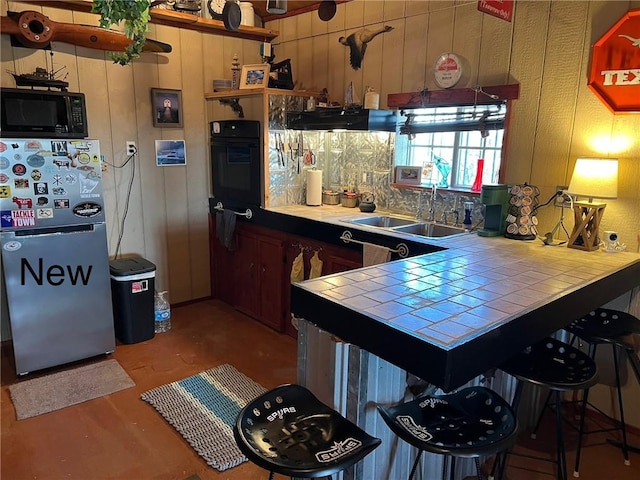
[[452, 296]]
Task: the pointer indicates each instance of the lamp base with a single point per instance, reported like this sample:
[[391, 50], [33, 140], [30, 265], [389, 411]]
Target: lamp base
[[586, 216]]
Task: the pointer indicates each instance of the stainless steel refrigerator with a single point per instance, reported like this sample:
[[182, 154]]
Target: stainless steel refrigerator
[[55, 259]]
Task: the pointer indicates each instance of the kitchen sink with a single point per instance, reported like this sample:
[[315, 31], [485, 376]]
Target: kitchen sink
[[431, 230], [383, 221]]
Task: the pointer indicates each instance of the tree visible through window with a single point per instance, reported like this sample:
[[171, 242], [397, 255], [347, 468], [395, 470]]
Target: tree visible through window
[[446, 142]]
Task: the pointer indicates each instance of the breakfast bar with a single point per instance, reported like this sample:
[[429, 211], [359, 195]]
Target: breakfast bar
[[451, 315], [447, 317]]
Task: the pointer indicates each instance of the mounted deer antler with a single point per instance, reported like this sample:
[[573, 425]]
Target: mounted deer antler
[[34, 30]]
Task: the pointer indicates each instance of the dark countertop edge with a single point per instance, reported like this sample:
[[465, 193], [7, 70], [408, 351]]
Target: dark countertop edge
[[323, 231], [465, 360]]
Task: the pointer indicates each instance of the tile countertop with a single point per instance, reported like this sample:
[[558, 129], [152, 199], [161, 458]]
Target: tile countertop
[[466, 308]]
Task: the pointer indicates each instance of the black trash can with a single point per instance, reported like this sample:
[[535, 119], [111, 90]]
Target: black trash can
[[132, 294]]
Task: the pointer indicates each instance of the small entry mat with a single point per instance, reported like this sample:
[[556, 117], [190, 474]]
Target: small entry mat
[[203, 409], [70, 387]]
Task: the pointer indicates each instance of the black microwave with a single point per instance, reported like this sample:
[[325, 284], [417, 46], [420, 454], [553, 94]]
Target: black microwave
[[42, 114]]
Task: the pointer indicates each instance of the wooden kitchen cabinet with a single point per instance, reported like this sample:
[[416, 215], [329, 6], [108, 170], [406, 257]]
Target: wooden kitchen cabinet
[[255, 278], [250, 278], [271, 274], [244, 275], [220, 267], [334, 259]]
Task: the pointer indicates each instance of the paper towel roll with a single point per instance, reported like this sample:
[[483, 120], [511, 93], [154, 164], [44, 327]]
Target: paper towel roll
[[314, 187]]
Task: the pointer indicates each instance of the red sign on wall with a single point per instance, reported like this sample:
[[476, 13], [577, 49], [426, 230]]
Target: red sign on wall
[[498, 8], [615, 65]]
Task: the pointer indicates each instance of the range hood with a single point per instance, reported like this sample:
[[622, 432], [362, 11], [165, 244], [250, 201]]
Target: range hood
[[337, 118]]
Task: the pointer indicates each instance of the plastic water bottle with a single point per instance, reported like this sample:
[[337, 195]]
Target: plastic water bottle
[[162, 313]]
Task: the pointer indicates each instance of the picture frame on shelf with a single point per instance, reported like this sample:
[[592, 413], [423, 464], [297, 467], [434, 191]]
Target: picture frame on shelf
[[171, 153], [167, 108], [254, 76], [408, 175]]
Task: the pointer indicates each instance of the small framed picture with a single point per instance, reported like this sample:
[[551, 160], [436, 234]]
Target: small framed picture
[[170, 153], [408, 175], [167, 108], [254, 76]]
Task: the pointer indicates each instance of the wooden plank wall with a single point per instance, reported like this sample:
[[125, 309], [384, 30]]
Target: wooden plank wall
[[546, 49], [166, 221]]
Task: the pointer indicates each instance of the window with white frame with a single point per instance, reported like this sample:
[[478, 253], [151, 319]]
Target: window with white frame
[[446, 142]]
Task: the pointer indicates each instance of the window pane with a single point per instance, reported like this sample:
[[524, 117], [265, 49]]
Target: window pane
[[458, 151]]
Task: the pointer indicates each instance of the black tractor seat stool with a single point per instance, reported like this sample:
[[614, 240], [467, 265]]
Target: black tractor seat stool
[[604, 326], [560, 368], [289, 431], [471, 423]]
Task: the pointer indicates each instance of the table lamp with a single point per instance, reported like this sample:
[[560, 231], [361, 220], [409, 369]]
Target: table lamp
[[592, 177]]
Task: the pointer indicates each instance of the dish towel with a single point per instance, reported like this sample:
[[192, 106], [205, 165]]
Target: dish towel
[[374, 254], [297, 269], [316, 266], [225, 227]]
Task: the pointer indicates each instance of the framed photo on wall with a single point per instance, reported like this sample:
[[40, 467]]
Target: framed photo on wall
[[409, 175], [167, 108], [254, 76], [170, 153]]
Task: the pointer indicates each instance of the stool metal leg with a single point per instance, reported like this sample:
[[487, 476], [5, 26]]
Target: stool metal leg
[[415, 464], [583, 414], [534, 433], [561, 460], [478, 472], [501, 465], [453, 468], [635, 363], [625, 450]]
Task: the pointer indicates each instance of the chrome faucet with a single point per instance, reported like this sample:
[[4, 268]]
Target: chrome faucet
[[419, 209], [456, 217], [432, 202]]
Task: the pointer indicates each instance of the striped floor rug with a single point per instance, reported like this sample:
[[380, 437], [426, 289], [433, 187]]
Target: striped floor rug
[[203, 409]]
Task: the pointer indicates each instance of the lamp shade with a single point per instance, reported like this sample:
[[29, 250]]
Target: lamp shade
[[595, 177]]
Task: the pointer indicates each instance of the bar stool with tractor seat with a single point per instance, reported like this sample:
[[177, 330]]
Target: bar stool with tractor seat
[[560, 368], [290, 432], [605, 326], [471, 423]]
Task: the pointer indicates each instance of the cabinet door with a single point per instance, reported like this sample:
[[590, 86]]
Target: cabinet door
[[345, 260], [272, 275], [334, 259], [244, 275], [221, 266]]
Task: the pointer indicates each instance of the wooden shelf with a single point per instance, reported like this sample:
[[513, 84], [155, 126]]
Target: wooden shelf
[[176, 19], [454, 96], [424, 187], [248, 92]]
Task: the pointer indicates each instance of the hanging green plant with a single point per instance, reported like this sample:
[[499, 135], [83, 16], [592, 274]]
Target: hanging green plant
[[135, 14]]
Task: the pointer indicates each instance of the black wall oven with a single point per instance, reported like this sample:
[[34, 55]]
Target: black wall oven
[[236, 162]]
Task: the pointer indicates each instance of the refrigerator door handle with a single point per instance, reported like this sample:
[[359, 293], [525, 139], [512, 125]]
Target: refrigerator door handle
[[33, 232]]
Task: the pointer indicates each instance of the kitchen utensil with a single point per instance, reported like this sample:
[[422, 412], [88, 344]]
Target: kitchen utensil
[[330, 197], [280, 148], [349, 200], [309, 158], [366, 202], [327, 10], [231, 15]]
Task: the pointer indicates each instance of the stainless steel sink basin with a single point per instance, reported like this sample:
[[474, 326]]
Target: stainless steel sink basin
[[383, 221], [431, 230]]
